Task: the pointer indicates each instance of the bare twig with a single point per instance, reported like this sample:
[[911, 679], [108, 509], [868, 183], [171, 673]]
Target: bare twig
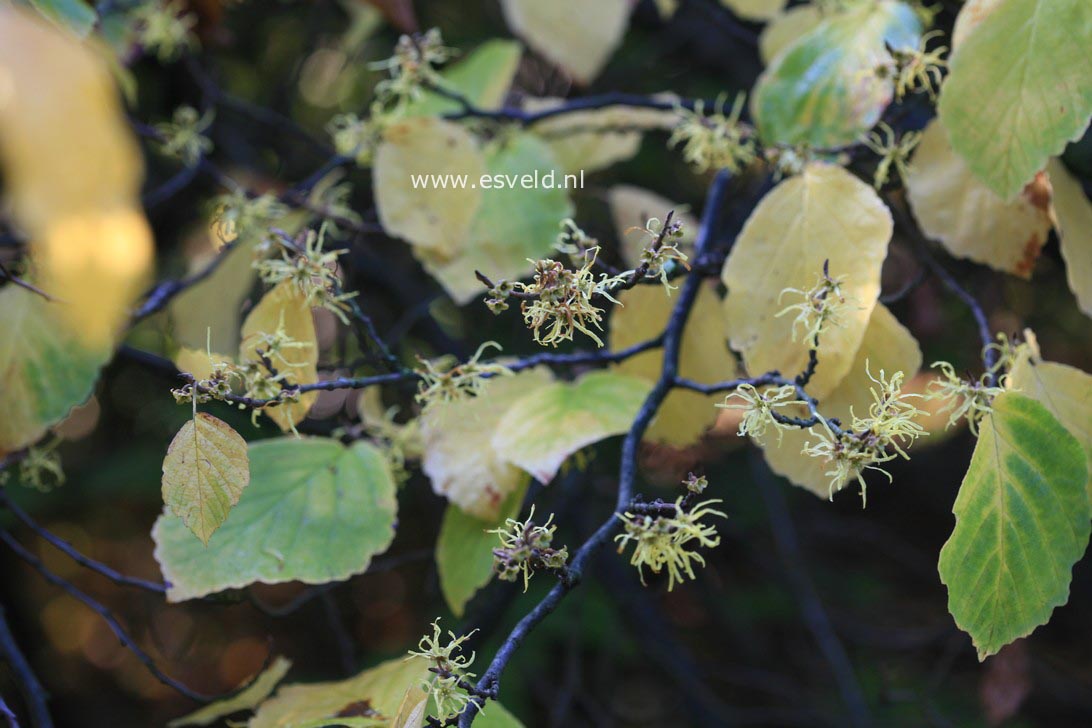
[[34, 695]]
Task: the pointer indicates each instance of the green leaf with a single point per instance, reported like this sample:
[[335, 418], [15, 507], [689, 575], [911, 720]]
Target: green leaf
[[542, 429], [204, 473], [483, 78], [247, 699], [44, 370], [577, 35], [822, 89], [1019, 89], [315, 511], [513, 224], [1064, 390], [464, 551], [75, 15], [1022, 521]]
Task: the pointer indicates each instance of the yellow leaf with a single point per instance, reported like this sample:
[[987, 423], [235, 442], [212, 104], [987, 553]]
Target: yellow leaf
[[785, 29], [72, 173], [1074, 220], [970, 219], [197, 361], [411, 713], [823, 214], [577, 35], [249, 698], [413, 158], [547, 425], [284, 307], [204, 473], [597, 138], [887, 345], [460, 458], [631, 207], [755, 10], [1064, 390], [705, 358]]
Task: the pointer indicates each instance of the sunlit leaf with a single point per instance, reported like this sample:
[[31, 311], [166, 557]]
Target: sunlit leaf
[[413, 710], [544, 427], [595, 139], [249, 698], [1064, 390], [482, 77], [464, 551], [204, 473], [825, 214], [45, 370], [315, 511], [1019, 89], [578, 36], [822, 90], [704, 357], [412, 203], [954, 207], [514, 223], [1022, 521], [783, 30], [970, 17], [631, 207], [285, 309], [1073, 213], [887, 345], [459, 456], [72, 173], [75, 15]]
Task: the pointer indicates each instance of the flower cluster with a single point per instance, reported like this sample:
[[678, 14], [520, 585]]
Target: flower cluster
[[894, 152], [443, 381], [240, 216], [963, 396], [658, 258], [412, 66], [759, 407], [164, 28], [525, 548], [916, 70], [40, 468], [822, 305], [358, 138], [889, 428], [716, 141], [183, 137], [448, 688], [312, 270], [666, 535]]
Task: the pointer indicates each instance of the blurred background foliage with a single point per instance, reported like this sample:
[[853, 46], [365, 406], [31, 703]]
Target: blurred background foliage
[[737, 647]]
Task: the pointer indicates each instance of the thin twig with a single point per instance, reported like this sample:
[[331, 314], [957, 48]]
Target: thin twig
[[5, 273], [34, 695]]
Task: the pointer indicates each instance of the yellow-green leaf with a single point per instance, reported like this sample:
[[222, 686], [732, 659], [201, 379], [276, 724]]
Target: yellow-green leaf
[[315, 511], [45, 370], [544, 427], [249, 698], [415, 198], [822, 89], [1022, 521], [204, 473], [513, 224], [755, 10], [967, 217], [459, 456], [577, 35], [482, 77], [887, 345], [413, 710], [704, 357], [1073, 213], [464, 551], [285, 308], [1019, 89], [783, 30], [1064, 390], [824, 214]]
